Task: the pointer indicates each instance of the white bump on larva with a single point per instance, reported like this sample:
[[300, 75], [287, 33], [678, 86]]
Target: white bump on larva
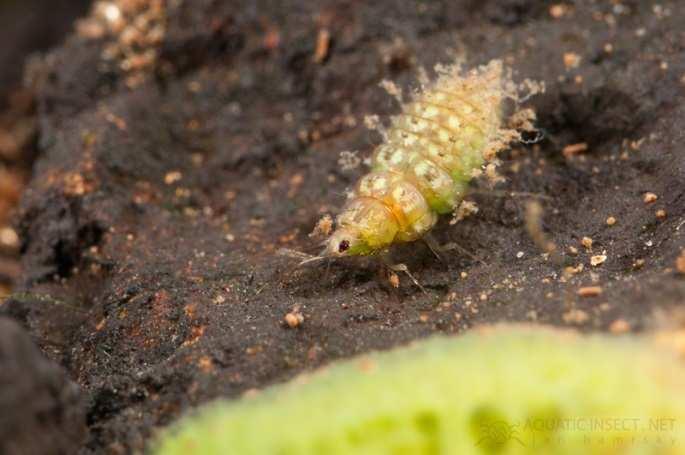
[[398, 193], [431, 111], [433, 150], [409, 202], [443, 135], [443, 180], [380, 183], [397, 157], [384, 156], [453, 121], [424, 223], [421, 169]]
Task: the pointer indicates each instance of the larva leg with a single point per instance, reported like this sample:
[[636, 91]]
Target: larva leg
[[401, 268], [437, 249], [433, 245]]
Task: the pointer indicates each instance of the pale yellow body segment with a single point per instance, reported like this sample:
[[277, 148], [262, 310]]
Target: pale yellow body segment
[[423, 168]]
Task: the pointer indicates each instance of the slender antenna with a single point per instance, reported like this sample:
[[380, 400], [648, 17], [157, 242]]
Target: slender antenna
[[304, 257]]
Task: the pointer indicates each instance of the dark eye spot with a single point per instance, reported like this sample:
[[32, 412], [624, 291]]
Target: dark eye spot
[[343, 246]]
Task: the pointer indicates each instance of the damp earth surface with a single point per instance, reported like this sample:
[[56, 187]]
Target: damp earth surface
[[173, 166]]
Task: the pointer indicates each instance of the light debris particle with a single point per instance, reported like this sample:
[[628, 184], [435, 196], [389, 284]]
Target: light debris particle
[[9, 237], [590, 291], [348, 160], [570, 271], [574, 149], [323, 227], [586, 242], [394, 280], [611, 221], [294, 319], [571, 60], [619, 326], [558, 10], [463, 211], [575, 316], [323, 40], [205, 364], [172, 177], [392, 89], [492, 175], [680, 263], [649, 197], [598, 259]]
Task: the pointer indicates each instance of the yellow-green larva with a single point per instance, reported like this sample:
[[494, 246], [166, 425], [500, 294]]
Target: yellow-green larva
[[430, 153]]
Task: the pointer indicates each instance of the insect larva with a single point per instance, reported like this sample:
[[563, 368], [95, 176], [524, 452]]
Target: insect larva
[[422, 169]]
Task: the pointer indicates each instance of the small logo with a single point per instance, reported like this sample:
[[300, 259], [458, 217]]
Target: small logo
[[496, 434]]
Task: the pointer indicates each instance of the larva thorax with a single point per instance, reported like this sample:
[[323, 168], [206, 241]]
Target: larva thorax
[[423, 167]]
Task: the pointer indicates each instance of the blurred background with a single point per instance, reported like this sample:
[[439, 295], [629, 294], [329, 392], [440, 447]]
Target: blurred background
[[26, 27]]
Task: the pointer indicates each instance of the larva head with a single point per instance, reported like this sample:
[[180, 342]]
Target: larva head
[[364, 227], [345, 242]]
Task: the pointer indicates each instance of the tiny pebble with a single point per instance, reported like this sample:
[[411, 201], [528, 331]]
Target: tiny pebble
[[575, 316], [294, 319], [590, 291], [619, 326], [680, 263], [649, 198], [598, 259], [172, 177], [586, 242], [9, 237]]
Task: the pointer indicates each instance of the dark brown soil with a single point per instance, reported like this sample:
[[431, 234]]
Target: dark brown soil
[[151, 225], [42, 412]]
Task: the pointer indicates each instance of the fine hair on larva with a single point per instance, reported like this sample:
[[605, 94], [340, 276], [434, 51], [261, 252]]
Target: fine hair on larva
[[448, 131]]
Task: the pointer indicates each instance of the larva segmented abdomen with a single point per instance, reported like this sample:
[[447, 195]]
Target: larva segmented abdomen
[[423, 168]]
